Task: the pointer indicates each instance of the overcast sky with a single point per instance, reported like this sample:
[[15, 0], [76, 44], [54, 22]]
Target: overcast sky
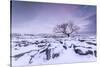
[[35, 17]]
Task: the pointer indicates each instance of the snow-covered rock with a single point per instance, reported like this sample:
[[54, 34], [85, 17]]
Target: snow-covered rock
[[40, 50]]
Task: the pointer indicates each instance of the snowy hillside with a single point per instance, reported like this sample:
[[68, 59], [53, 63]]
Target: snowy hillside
[[48, 49]]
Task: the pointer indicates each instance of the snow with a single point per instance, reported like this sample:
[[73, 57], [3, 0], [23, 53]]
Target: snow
[[36, 50]]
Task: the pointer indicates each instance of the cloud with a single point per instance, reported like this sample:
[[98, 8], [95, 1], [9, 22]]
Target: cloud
[[34, 17]]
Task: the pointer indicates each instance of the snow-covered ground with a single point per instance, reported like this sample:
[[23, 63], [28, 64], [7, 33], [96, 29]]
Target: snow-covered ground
[[36, 50]]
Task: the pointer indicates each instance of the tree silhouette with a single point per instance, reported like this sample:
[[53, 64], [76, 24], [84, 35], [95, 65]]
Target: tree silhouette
[[66, 28]]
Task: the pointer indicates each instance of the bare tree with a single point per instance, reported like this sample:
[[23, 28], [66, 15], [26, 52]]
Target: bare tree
[[66, 28]]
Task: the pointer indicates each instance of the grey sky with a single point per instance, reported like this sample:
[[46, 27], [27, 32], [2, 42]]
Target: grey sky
[[35, 17]]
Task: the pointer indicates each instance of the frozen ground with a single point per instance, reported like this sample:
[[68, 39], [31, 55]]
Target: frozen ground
[[36, 50]]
